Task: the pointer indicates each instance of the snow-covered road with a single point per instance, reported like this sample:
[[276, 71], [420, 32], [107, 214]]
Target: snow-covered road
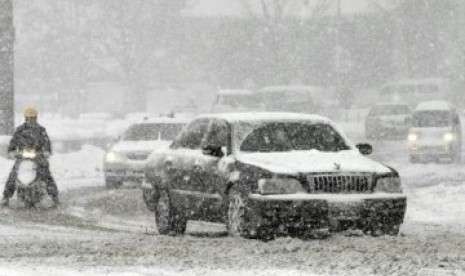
[[97, 232]]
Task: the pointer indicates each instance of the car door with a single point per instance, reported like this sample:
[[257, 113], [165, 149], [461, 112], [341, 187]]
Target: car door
[[186, 161], [216, 145]]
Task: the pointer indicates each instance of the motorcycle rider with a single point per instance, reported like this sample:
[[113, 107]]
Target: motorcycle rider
[[31, 135]]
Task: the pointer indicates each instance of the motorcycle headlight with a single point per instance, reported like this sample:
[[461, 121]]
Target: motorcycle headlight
[[114, 157], [29, 154], [27, 172], [388, 184], [272, 186], [448, 137]]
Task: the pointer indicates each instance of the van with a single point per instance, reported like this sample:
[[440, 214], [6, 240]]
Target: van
[[436, 133]]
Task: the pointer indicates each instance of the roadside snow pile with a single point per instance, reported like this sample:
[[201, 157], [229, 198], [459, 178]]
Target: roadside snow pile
[[85, 165], [136, 271], [71, 170]]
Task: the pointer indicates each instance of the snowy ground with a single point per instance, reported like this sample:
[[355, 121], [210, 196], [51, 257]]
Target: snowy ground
[[97, 231]]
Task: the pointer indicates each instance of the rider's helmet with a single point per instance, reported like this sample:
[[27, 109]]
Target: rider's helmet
[[30, 112]]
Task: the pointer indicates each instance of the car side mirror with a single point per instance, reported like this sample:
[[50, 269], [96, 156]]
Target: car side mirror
[[213, 150], [365, 149]]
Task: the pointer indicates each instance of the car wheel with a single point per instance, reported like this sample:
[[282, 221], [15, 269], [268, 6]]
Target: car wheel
[[169, 220], [236, 220]]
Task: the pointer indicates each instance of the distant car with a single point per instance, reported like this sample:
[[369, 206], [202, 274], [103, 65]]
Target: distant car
[[388, 121], [235, 100], [125, 160], [267, 174], [289, 98], [436, 133]]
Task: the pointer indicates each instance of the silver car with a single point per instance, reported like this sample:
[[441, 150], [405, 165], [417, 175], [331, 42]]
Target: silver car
[[125, 160]]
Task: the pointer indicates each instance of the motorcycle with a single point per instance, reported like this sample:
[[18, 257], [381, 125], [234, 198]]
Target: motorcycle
[[30, 188]]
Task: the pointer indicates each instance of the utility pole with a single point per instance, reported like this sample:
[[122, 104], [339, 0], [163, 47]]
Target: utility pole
[[7, 37]]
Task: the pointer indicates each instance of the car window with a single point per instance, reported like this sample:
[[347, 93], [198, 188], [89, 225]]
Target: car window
[[191, 137], [272, 137], [219, 134], [431, 118]]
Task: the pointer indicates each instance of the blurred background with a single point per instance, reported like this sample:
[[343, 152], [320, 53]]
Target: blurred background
[[126, 56]]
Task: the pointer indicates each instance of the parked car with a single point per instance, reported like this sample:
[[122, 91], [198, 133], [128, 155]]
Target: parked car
[[125, 160], [436, 133], [267, 174], [388, 121]]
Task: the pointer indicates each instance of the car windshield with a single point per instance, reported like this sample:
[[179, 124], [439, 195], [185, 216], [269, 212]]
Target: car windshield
[[152, 131], [390, 110], [288, 136], [431, 118]]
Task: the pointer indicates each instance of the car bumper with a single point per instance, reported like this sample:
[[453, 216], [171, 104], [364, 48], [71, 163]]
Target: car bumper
[[432, 151], [327, 210], [131, 171]]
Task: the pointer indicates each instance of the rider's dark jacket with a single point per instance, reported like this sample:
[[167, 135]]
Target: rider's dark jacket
[[30, 135]]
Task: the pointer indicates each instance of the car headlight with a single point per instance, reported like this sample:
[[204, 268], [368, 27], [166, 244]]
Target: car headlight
[[113, 157], [412, 137], [448, 137], [272, 186], [389, 184]]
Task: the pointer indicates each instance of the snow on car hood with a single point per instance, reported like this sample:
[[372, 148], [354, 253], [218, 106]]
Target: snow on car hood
[[140, 146], [312, 161]]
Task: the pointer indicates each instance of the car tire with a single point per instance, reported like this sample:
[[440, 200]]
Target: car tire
[[169, 221], [236, 223], [391, 230]]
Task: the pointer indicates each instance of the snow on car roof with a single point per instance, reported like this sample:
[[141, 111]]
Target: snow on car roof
[[296, 88], [433, 105], [234, 92], [266, 116], [164, 120]]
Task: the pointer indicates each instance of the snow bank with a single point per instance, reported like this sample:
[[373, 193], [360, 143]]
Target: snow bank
[[136, 271], [76, 169], [71, 170]]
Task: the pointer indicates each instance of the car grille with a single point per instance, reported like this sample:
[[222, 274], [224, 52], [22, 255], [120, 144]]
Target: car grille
[[137, 156], [336, 183]]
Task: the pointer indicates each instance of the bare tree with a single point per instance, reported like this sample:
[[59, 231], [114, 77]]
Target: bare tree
[[136, 34]]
